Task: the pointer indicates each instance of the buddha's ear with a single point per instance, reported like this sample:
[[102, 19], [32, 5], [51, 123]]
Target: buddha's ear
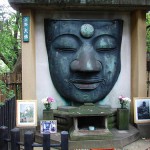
[[120, 29], [48, 32]]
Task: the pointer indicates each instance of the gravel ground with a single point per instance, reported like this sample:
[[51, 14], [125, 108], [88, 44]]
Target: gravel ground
[[141, 144]]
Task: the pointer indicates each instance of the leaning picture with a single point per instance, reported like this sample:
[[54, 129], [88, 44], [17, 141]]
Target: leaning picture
[[26, 113], [141, 110], [48, 126]]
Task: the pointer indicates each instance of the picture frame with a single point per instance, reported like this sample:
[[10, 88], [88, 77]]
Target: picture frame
[[26, 113], [48, 126], [141, 109]]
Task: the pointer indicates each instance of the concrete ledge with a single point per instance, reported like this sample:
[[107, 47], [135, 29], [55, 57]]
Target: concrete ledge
[[102, 134], [144, 130], [23, 130], [120, 139]]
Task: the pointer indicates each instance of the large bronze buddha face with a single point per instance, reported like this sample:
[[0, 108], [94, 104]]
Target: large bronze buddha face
[[84, 57]]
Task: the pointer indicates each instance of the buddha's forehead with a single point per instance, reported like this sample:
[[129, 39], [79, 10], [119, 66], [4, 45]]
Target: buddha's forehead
[[56, 28]]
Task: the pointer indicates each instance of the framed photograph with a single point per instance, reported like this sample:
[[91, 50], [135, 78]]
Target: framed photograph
[[26, 113], [141, 109], [48, 126]]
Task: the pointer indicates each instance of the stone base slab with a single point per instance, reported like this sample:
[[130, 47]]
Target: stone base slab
[[90, 135], [120, 139]]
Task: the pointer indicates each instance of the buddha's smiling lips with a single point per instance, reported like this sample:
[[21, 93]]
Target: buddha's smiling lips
[[87, 84]]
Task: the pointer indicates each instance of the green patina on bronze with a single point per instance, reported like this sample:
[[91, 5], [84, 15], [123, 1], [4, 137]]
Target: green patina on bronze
[[87, 30]]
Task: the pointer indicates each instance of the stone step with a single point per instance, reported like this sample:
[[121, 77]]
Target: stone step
[[120, 139]]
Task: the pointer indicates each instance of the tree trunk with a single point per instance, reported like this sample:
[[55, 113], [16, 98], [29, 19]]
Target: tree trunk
[[18, 64]]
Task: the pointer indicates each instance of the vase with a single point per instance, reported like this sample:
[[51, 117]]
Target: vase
[[122, 119], [48, 114], [123, 105], [47, 106]]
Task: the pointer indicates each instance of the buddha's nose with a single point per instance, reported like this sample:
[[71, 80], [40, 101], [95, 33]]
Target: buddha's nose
[[86, 61]]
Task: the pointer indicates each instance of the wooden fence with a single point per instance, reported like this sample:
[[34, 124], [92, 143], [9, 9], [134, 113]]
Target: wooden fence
[[8, 113], [148, 74], [28, 144], [13, 82]]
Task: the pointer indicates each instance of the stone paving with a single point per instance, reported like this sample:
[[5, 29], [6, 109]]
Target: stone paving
[[136, 142], [141, 144]]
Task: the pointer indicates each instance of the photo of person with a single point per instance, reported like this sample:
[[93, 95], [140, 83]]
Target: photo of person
[[48, 126], [143, 110]]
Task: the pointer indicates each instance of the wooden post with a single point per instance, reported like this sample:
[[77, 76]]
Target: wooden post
[[64, 140], [28, 140], [28, 60], [12, 113], [15, 138], [46, 141], [3, 136], [6, 114], [2, 115], [9, 114], [138, 56]]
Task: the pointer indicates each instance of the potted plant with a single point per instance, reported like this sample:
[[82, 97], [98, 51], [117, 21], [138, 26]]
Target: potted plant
[[48, 112], [123, 113]]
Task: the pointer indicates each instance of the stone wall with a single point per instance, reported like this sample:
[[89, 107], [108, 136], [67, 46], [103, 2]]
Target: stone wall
[[44, 85]]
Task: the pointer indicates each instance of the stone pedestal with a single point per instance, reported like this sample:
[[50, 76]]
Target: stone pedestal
[[48, 115], [122, 119], [144, 130], [84, 117]]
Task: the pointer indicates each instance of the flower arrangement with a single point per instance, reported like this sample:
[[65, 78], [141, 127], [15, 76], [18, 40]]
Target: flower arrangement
[[124, 101], [47, 102]]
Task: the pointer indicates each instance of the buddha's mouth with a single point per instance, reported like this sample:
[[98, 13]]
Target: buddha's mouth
[[87, 84]]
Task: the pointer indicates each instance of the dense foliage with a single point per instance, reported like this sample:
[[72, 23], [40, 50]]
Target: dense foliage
[[148, 31], [10, 45], [5, 90]]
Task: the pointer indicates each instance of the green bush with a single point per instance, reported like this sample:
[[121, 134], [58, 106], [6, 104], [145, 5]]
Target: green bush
[[5, 90], [1, 104]]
